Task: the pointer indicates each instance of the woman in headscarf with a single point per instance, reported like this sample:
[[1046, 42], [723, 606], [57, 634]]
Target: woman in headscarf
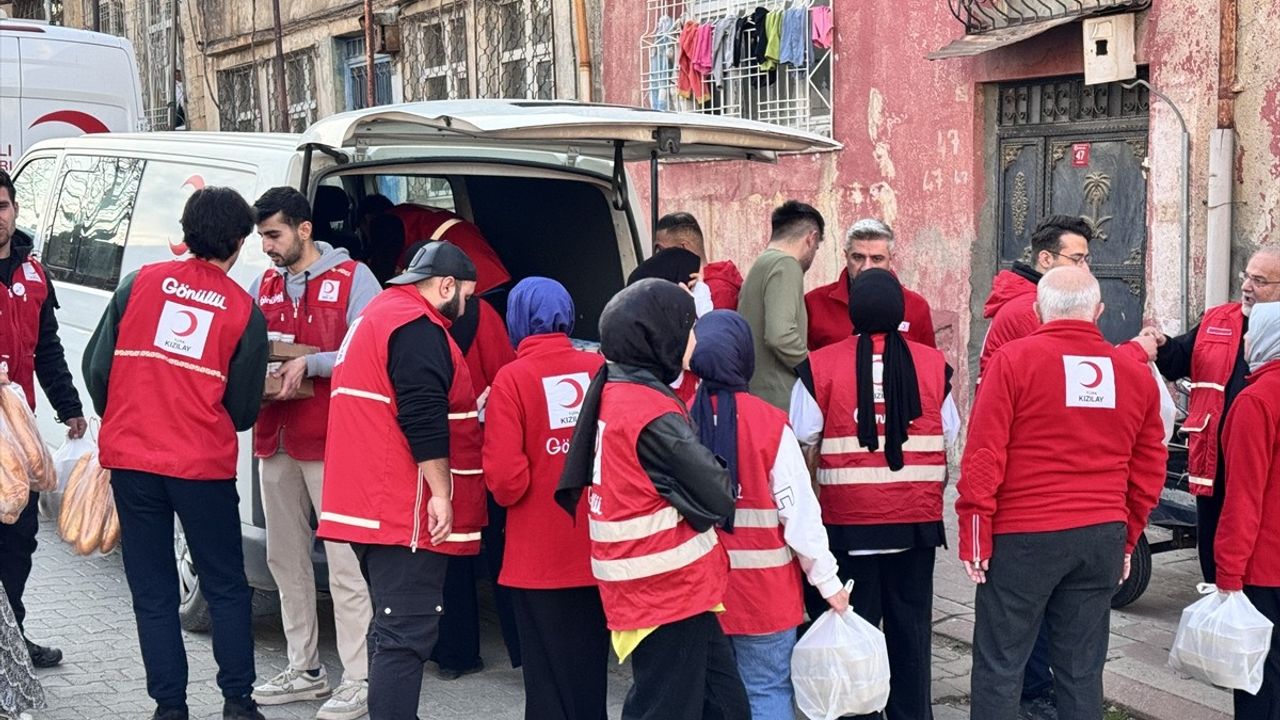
[[1247, 548], [533, 408], [878, 417], [777, 527], [679, 266], [654, 496]]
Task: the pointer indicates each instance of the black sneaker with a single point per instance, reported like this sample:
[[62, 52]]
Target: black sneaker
[[171, 713], [243, 709], [44, 657], [453, 674]]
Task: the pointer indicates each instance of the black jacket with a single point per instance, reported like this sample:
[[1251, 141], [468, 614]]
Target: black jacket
[[50, 359]]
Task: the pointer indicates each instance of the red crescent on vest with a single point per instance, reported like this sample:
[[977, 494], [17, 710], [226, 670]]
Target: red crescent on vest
[[577, 390], [80, 120], [1097, 374], [191, 318]]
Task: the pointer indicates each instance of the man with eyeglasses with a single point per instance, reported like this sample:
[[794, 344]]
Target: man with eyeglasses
[[1211, 355]]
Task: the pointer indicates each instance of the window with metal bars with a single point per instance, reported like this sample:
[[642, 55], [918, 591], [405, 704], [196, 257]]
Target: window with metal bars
[[300, 90], [112, 16], [437, 66], [355, 72], [767, 60], [239, 104], [47, 10]]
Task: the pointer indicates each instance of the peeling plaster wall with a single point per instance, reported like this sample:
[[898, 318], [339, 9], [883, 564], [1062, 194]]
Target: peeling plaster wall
[[914, 135]]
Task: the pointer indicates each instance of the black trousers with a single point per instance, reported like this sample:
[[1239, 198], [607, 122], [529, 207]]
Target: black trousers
[[210, 516], [565, 640], [1208, 510], [1066, 579], [406, 589], [1266, 704], [17, 546], [459, 644], [895, 591], [686, 671]]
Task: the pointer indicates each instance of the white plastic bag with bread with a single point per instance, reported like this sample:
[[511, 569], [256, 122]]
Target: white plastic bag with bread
[[23, 438], [69, 456], [88, 519], [15, 488]]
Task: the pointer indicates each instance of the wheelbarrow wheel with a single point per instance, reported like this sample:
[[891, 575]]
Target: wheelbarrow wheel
[[1139, 576]]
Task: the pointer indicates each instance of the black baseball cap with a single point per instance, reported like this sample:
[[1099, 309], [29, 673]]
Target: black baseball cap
[[436, 259]]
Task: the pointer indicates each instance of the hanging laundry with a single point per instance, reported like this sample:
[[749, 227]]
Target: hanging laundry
[[773, 40], [820, 19], [690, 83], [722, 52], [662, 59], [795, 37], [742, 41], [759, 32], [703, 49]]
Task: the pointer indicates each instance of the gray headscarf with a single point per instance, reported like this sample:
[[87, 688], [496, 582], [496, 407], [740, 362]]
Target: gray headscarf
[[1264, 335]]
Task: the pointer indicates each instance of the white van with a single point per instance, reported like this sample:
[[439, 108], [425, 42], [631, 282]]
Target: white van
[[59, 82], [544, 181]]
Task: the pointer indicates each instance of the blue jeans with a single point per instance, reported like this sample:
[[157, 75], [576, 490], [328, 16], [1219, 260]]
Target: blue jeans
[[764, 662]]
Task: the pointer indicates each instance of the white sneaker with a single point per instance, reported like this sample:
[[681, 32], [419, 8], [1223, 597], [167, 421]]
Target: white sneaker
[[292, 686], [349, 701]]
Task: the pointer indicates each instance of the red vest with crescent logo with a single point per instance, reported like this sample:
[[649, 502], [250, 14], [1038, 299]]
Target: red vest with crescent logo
[[318, 318], [1212, 362], [858, 488], [174, 346], [765, 591], [373, 492], [652, 567], [20, 306]]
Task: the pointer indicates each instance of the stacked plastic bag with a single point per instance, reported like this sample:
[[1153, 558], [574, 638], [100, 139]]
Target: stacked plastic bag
[[1223, 640], [840, 667]]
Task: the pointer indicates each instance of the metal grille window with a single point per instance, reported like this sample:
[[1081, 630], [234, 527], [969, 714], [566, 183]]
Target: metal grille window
[[1067, 100], [300, 86], [238, 99], [112, 16], [154, 24], [767, 60], [49, 10], [356, 70], [438, 57]]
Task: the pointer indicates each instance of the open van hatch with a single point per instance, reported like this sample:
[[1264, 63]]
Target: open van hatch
[[610, 132]]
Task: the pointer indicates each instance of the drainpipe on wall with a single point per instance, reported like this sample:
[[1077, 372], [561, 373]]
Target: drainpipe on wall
[[584, 50], [1222, 146]]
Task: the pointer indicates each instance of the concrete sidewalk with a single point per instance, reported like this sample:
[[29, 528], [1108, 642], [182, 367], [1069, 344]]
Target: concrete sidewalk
[[1137, 677]]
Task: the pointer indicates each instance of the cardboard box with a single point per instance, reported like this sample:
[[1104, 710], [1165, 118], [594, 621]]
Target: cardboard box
[[274, 384], [281, 351]]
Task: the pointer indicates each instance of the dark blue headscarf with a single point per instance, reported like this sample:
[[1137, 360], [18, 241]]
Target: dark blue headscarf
[[724, 359], [538, 306]]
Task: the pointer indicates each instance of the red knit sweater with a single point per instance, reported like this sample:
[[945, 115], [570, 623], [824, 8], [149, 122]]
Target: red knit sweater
[[1247, 549]]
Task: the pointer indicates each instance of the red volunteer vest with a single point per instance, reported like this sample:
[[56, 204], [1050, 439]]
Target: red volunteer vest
[[319, 318], [173, 350], [373, 492], [653, 569], [765, 593], [20, 308], [1212, 362], [858, 488]]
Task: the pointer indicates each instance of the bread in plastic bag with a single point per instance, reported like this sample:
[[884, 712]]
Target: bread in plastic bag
[[74, 453], [1223, 640], [840, 667], [22, 438], [88, 520]]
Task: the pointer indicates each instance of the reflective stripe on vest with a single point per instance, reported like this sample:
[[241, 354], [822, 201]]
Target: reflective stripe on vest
[[1207, 386], [636, 568], [362, 394], [755, 518], [153, 355], [851, 444], [635, 528], [351, 520], [881, 475], [463, 537], [759, 559]]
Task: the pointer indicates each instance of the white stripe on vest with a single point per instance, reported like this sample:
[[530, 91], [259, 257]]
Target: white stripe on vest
[[362, 394], [350, 520], [636, 568], [759, 559], [881, 475], [634, 528], [914, 443], [755, 518]]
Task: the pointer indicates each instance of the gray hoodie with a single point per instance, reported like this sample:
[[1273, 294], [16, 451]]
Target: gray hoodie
[[364, 286]]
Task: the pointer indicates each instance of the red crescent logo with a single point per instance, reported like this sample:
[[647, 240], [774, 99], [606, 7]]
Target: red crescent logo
[[1097, 374], [193, 323], [578, 393], [83, 121], [195, 182]]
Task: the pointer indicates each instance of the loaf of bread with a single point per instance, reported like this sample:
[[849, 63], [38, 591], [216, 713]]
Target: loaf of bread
[[15, 488], [69, 516], [94, 517], [21, 423], [111, 532]]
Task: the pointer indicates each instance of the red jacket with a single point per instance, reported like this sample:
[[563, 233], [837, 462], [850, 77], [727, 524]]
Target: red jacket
[[652, 566], [1066, 433], [828, 308], [373, 492], [725, 282], [1011, 310], [490, 350], [532, 411], [174, 344], [319, 318], [764, 594], [423, 223], [1247, 549], [857, 486], [20, 305], [1212, 363]]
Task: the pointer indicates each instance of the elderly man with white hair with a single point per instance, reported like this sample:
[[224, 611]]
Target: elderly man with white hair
[[1064, 461], [868, 244], [1211, 355]]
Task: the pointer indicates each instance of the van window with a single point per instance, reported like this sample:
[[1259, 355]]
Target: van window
[[434, 192], [33, 183], [95, 207], [157, 228]]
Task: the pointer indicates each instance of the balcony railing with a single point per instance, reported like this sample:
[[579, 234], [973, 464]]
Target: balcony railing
[[981, 16]]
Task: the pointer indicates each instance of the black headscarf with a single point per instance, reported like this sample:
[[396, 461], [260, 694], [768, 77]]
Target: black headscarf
[[725, 360], [645, 327], [673, 264], [876, 307]]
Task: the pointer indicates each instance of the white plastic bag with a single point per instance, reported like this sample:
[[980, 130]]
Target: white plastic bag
[[840, 667], [72, 452], [1222, 640], [1167, 409]]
